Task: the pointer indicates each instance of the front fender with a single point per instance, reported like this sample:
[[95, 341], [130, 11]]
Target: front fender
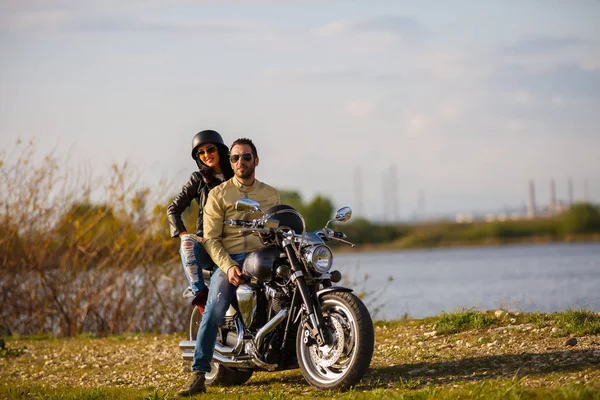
[[322, 292]]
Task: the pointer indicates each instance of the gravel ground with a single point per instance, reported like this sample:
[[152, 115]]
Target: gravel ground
[[407, 355]]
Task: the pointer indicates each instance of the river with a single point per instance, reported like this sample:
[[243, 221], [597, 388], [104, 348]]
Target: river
[[524, 278]]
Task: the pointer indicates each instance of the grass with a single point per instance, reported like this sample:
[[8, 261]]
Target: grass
[[8, 352], [480, 355], [578, 322], [498, 389], [461, 321]]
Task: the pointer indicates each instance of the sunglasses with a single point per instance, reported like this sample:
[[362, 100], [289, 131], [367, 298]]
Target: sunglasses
[[236, 157], [209, 150]]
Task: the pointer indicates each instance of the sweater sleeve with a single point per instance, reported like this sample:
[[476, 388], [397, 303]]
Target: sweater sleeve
[[214, 215]]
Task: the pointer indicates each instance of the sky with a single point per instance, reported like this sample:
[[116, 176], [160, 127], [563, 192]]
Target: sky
[[454, 106]]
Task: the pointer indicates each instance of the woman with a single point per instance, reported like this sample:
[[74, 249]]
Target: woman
[[212, 157]]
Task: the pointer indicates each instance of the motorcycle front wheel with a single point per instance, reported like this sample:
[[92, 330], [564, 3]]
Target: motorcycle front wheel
[[342, 363], [218, 375]]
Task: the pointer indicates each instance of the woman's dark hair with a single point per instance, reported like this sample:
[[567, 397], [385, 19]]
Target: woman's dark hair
[[208, 174], [224, 162]]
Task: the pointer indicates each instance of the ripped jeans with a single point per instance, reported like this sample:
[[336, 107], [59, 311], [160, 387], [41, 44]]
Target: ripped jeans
[[219, 298], [194, 258]]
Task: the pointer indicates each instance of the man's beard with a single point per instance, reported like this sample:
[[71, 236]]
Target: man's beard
[[245, 174]]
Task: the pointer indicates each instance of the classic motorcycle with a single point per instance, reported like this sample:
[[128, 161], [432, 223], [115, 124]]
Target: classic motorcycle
[[288, 314]]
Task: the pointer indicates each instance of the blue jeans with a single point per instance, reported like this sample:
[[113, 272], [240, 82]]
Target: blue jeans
[[220, 296], [194, 258]]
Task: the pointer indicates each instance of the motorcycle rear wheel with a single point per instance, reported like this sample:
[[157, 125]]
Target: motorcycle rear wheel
[[218, 375], [345, 362]]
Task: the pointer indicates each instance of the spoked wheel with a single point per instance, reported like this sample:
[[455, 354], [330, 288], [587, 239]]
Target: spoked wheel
[[218, 375], [344, 361]]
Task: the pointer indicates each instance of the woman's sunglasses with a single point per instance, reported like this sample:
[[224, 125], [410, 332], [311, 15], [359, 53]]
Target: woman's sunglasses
[[209, 150], [236, 157]]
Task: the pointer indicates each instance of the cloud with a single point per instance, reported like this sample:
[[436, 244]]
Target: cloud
[[398, 26], [360, 109], [535, 44], [75, 21], [562, 80], [114, 16]]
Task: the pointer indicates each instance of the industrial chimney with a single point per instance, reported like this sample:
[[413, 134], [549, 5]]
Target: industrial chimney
[[531, 206]]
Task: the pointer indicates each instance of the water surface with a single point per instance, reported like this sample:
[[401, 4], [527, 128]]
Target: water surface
[[527, 278]]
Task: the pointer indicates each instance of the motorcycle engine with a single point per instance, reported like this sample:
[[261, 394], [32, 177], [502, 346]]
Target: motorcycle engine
[[246, 298], [252, 305]]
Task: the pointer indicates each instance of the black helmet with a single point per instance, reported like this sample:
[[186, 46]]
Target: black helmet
[[206, 136], [287, 216]]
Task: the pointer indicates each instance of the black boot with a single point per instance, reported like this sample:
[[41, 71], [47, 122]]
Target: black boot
[[196, 386]]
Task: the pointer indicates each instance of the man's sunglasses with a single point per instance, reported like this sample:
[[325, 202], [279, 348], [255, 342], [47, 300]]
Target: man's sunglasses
[[236, 157], [209, 150]]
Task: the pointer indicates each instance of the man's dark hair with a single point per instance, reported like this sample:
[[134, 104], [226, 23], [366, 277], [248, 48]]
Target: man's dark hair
[[247, 141]]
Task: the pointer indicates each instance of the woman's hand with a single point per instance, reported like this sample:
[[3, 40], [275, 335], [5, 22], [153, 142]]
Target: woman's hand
[[197, 238]]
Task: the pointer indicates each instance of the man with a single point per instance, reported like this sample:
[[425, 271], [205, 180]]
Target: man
[[228, 249]]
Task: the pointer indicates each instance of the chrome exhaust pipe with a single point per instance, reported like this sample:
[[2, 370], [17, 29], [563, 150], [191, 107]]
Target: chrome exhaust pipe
[[186, 345], [269, 326], [239, 344], [239, 362], [228, 356]]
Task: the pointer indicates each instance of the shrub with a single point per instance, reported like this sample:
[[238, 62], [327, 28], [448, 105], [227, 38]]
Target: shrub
[[582, 218]]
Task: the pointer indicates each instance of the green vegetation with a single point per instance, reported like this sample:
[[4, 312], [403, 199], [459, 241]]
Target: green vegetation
[[581, 218], [316, 213], [462, 321], [580, 222], [81, 254], [569, 322], [487, 355], [579, 322], [411, 390], [16, 352]]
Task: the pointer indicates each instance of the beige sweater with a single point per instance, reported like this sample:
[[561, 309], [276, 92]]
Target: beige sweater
[[222, 240]]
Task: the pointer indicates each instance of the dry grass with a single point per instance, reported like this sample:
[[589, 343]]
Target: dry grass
[[524, 360]]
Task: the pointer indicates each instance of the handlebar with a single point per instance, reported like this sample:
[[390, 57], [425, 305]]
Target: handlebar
[[339, 235], [244, 224], [330, 234], [257, 226]]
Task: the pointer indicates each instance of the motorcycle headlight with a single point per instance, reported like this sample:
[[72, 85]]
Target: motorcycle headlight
[[319, 258]]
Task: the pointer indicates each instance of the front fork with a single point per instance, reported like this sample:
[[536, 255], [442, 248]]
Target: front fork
[[316, 323]]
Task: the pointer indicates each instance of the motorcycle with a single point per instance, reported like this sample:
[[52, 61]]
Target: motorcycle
[[288, 313]]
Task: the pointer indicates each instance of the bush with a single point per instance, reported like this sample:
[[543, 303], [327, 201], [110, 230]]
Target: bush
[[71, 265], [582, 218]]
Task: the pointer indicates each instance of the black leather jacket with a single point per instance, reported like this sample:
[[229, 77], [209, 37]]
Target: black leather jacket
[[196, 188]]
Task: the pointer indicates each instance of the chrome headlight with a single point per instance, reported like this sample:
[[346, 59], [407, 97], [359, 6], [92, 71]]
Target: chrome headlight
[[319, 258]]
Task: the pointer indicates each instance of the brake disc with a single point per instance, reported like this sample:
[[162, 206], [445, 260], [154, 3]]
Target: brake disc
[[326, 356]]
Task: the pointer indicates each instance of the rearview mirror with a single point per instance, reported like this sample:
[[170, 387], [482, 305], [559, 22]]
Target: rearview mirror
[[247, 206], [343, 214]]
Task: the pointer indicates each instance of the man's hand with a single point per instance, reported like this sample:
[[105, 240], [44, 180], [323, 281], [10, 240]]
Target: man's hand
[[234, 275]]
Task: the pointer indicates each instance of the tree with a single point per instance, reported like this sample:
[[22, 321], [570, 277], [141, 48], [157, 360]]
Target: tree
[[318, 212], [292, 198], [582, 218]]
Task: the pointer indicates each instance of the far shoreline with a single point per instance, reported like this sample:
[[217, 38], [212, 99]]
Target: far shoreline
[[490, 243]]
